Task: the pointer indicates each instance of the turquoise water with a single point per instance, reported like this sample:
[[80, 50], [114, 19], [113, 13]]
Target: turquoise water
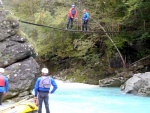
[[82, 98]]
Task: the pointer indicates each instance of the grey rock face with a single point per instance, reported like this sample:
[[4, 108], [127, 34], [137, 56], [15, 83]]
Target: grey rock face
[[22, 76], [16, 56], [8, 28], [11, 52], [112, 82], [139, 84]]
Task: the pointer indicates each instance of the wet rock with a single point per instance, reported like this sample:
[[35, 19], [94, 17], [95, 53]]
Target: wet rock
[[11, 52], [21, 77], [16, 56], [139, 84], [112, 82], [24, 93]]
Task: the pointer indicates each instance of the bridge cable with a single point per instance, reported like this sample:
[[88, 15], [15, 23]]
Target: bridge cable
[[61, 29]]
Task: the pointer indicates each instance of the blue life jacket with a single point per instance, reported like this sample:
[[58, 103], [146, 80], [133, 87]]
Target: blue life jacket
[[85, 16]]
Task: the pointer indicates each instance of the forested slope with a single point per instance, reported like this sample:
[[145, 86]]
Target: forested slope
[[86, 57]]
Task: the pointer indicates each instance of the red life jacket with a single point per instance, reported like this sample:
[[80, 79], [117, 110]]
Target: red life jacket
[[73, 13], [2, 81]]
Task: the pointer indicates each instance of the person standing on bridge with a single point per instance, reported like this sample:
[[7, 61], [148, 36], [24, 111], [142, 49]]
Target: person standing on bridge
[[71, 15], [42, 89], [4, 85], [85, 20]]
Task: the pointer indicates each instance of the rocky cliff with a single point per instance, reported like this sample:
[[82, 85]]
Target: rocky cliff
[[139, 84], [16, 56]]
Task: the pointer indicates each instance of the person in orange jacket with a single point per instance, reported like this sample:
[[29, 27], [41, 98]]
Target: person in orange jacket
[[71, 15]]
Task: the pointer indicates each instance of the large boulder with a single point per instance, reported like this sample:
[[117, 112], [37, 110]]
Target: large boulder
[[139, 84], [13, 46], [8, 26], [16, 56], [21, 77], [112, 81], [12, 51]]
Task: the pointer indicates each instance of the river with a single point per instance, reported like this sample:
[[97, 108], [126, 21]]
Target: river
[[84, 98]]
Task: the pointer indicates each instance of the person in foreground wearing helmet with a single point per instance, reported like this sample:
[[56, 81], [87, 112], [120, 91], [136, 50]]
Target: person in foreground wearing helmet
[[4, 84], [42, 89], [71, 15], [85, 20]]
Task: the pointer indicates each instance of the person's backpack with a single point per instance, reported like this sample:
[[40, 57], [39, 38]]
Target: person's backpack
[[45, 82], [73, 11]]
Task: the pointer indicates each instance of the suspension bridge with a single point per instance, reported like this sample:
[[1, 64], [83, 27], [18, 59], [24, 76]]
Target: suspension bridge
[[103, 29]]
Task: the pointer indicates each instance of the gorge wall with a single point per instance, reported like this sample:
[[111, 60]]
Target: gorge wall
[[17, 57]]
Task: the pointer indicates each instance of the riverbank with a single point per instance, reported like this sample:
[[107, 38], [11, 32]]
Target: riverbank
[[85, 98]]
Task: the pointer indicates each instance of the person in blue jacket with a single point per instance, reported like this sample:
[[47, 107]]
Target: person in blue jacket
[[85, 20], [42, 89], [4, 84]]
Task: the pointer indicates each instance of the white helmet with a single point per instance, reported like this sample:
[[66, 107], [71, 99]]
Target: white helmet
[[44, 70], [73, 5], [2, 70]]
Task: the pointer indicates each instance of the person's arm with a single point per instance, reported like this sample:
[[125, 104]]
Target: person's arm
[[70, 13], [76, 14], [6, 85], [85, 17], [88, 16], [54, 85], [36, 86]]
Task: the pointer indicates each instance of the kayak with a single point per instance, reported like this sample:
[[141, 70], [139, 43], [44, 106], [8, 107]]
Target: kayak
[[27, 107]]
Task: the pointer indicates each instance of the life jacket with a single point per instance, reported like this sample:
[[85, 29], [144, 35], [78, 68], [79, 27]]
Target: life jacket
[[2, 81], [85, 16], [72, 13], [45, 82]]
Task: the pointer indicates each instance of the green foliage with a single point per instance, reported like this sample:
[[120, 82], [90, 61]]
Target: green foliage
[[119, 41], [145, 36], [132, 15]]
